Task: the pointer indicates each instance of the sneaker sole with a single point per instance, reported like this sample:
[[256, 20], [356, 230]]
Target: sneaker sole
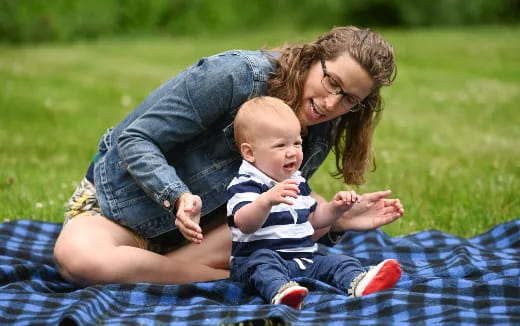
[[385, 276], [294, 297]]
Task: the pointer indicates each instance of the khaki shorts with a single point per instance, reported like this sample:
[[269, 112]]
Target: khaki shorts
[[84, 202]]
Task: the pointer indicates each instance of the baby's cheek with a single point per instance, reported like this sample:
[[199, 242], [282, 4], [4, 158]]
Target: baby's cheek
[[300, 157]]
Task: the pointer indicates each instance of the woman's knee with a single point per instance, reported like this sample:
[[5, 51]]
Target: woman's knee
[[82, 252], [78, 263]]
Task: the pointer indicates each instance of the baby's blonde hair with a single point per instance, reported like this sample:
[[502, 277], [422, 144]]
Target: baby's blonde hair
[[256, 113]]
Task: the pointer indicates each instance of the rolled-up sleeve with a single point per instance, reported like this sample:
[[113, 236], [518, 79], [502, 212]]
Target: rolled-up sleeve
[[184, 107]]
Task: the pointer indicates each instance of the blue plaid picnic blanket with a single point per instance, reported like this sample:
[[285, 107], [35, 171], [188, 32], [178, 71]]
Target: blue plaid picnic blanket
[[446, 280]]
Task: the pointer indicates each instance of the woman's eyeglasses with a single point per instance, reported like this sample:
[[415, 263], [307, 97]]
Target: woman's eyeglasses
[[349, 102]]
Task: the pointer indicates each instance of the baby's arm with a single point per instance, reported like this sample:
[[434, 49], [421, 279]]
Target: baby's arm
[[327, 213], [252, 216]]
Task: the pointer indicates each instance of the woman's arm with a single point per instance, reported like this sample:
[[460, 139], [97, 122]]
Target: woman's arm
[[373, 210], [181, 109]]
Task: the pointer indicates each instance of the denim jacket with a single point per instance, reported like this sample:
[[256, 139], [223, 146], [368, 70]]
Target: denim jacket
[[180, 139]]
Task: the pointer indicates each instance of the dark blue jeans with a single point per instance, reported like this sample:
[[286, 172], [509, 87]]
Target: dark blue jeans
[[267, 271]]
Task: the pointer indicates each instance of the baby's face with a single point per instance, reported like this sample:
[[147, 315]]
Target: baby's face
[[278, 152]]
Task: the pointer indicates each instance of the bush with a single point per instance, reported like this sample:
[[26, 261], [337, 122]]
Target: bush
[[65, 20]]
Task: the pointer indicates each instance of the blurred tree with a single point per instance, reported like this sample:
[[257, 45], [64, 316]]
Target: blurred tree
[[65, 20]]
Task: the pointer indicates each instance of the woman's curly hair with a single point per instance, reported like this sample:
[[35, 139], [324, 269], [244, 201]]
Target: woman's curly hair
[[352, 136]]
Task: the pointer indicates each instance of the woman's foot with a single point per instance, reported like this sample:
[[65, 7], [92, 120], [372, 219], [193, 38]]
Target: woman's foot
[[378, 278]]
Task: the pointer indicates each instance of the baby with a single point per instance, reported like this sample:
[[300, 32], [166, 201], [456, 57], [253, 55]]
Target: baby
[[272, 214]]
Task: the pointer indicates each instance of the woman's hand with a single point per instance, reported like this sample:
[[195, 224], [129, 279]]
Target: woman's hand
[[188, 217], [372, 211]]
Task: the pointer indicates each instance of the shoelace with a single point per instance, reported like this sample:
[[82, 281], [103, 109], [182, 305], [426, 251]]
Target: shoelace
[[284, 287], [352, 287]]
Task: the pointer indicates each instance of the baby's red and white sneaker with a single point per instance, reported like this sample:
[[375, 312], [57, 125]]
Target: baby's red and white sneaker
[[291, 294], [378, 278]]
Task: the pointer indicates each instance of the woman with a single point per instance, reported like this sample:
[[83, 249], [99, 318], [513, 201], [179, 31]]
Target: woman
[[166, 166]]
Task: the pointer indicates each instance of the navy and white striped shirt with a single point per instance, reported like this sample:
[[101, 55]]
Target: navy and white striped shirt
[[286, 230]]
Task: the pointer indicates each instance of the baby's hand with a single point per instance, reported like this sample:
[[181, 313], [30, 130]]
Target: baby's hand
[[188, 217], [346, 199], [281, 191]]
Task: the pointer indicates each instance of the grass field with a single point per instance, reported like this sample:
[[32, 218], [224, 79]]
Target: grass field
[[448, 144]]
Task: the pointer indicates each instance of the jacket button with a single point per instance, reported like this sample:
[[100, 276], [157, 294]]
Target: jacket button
[[166, 204]]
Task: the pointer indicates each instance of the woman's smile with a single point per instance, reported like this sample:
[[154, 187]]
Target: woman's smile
[[315, 111]]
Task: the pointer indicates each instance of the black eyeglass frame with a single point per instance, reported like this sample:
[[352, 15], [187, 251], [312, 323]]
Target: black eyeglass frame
[[351, 107]]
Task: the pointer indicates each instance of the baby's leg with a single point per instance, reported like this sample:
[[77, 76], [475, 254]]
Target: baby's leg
[[267, 272], [271, 275], [346, 273], [336, 270]]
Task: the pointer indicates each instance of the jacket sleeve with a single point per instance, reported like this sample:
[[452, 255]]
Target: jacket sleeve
[[179, 110]]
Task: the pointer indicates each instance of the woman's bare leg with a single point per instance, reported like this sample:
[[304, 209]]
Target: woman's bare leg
[[95, 250], [214, 251]]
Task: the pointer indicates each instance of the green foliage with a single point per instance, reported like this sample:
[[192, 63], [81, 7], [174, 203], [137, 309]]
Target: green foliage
[[447, 145], [448, 141], [64, 20], [456, 12]]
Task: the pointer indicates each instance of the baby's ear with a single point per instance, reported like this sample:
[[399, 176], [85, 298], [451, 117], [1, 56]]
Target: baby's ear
[[247, 152]]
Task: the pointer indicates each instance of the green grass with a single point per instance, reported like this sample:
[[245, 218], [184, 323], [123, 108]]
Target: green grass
[[448, 144]]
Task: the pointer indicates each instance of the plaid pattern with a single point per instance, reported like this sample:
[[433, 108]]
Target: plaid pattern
[[446, 280]]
